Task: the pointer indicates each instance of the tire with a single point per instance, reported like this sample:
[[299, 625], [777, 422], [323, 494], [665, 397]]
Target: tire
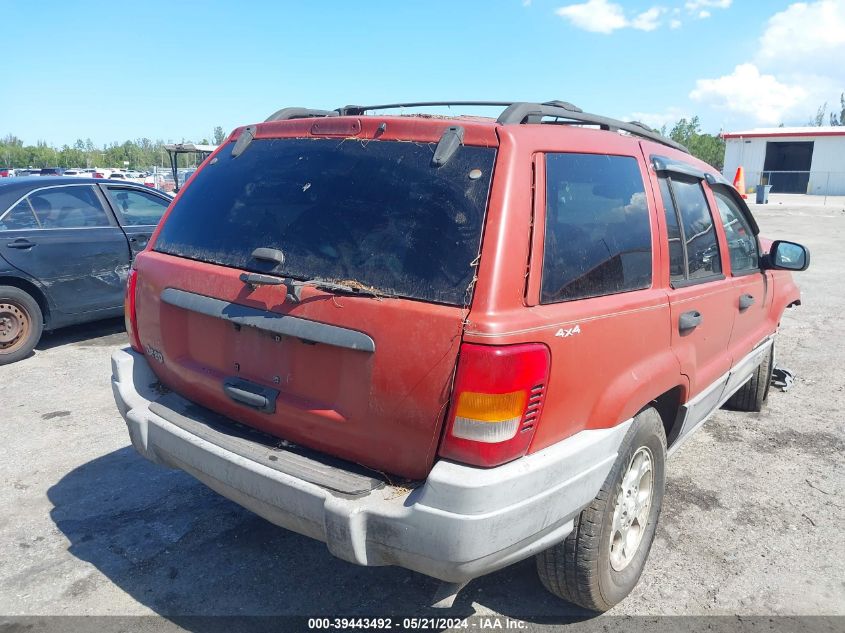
[[751, 396], [585, 569], [21, 324]]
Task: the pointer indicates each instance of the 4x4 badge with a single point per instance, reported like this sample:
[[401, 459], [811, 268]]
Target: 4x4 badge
[[563, 333]]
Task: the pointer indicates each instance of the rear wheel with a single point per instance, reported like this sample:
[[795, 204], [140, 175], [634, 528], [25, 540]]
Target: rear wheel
[[601, 560], [752, 395], [21, 324]]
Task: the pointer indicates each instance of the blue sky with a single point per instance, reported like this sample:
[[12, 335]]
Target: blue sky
[[174, 69]]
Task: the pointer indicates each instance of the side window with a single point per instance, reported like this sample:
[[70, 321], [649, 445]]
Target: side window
[[19, 216], [742, 245], [677, 264], [137, 208], [598, 232], [697, 232], [68, 208]]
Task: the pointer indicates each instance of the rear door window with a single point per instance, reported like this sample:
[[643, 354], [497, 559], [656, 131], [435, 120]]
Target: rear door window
[[71, 207], [598, 233], [372, 213], [702, 260]]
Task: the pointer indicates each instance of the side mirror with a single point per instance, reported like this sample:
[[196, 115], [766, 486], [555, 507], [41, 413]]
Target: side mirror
[[788, 256]]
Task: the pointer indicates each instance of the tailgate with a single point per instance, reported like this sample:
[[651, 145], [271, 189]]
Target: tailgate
[[365, 375], [379, 407]]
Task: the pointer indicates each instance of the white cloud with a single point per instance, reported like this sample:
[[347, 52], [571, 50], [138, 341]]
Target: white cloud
[[746, 91], [601, 16], [657, 120], [694, 5], [674, 23], [648, 20], [798, 66], [596, 16], [806, 36], [701, 7]]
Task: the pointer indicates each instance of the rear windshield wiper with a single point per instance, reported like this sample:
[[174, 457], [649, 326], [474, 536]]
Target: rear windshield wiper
[[294, 286], [355, 288]]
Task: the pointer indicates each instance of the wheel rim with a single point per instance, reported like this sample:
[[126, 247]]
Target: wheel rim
[[15, 325], [633, 505]]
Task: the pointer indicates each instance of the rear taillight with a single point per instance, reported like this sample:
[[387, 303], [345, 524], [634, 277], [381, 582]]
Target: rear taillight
[[98, 175], [496, 402], [129, 313]]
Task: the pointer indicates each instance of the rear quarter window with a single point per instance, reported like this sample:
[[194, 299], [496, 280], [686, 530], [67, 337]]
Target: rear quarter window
[[598, 232], [19, 217]]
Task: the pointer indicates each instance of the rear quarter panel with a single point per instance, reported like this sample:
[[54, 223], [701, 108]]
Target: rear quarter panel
[[620, 358]]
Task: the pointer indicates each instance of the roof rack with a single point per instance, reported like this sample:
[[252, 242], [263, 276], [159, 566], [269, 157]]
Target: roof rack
[[299, 113], [356, 109], [515, 113], [519, 113]]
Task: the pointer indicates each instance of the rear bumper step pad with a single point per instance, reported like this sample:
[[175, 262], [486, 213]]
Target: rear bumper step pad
[[334, 474]]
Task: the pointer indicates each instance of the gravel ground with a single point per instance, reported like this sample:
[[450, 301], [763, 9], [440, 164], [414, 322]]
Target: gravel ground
[[751, 523]]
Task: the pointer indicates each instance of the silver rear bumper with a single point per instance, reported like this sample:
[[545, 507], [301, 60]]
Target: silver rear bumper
[[462, 522]]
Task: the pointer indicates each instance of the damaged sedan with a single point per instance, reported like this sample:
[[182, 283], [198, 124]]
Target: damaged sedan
[[66, 245]]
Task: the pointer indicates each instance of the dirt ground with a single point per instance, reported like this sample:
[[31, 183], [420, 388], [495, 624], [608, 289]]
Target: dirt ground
[[752, 521]]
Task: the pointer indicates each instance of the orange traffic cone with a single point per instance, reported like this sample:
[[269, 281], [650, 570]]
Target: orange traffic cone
[[739, 181]]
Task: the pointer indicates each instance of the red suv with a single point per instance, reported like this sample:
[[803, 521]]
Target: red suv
[[451, 343]]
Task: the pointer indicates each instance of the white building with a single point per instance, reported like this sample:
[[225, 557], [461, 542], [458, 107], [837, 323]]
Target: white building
[[791, 159]]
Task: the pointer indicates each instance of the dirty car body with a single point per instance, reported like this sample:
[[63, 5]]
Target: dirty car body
[[382, 337]]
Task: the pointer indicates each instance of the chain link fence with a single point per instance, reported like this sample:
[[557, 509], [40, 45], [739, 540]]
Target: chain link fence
[[818, 183]]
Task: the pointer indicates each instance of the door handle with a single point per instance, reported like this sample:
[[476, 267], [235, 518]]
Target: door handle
[[745, 302], [255, 400], [20, 243], [250, 394], [689, 321]]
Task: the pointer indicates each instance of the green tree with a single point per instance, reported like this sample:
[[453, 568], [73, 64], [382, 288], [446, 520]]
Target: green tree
[[840, 118], [818, 120], [219, 135], [142, 153], [707, 147]]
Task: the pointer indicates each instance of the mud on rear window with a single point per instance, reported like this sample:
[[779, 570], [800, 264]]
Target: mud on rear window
[[375, 213]]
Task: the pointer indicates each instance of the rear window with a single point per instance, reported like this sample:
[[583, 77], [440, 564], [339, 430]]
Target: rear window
[[598, 232], [374, 213]]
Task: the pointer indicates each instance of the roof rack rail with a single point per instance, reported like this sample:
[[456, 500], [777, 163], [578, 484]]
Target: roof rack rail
[[357, 109], [298, 113], [515, 112], [523, 112]]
